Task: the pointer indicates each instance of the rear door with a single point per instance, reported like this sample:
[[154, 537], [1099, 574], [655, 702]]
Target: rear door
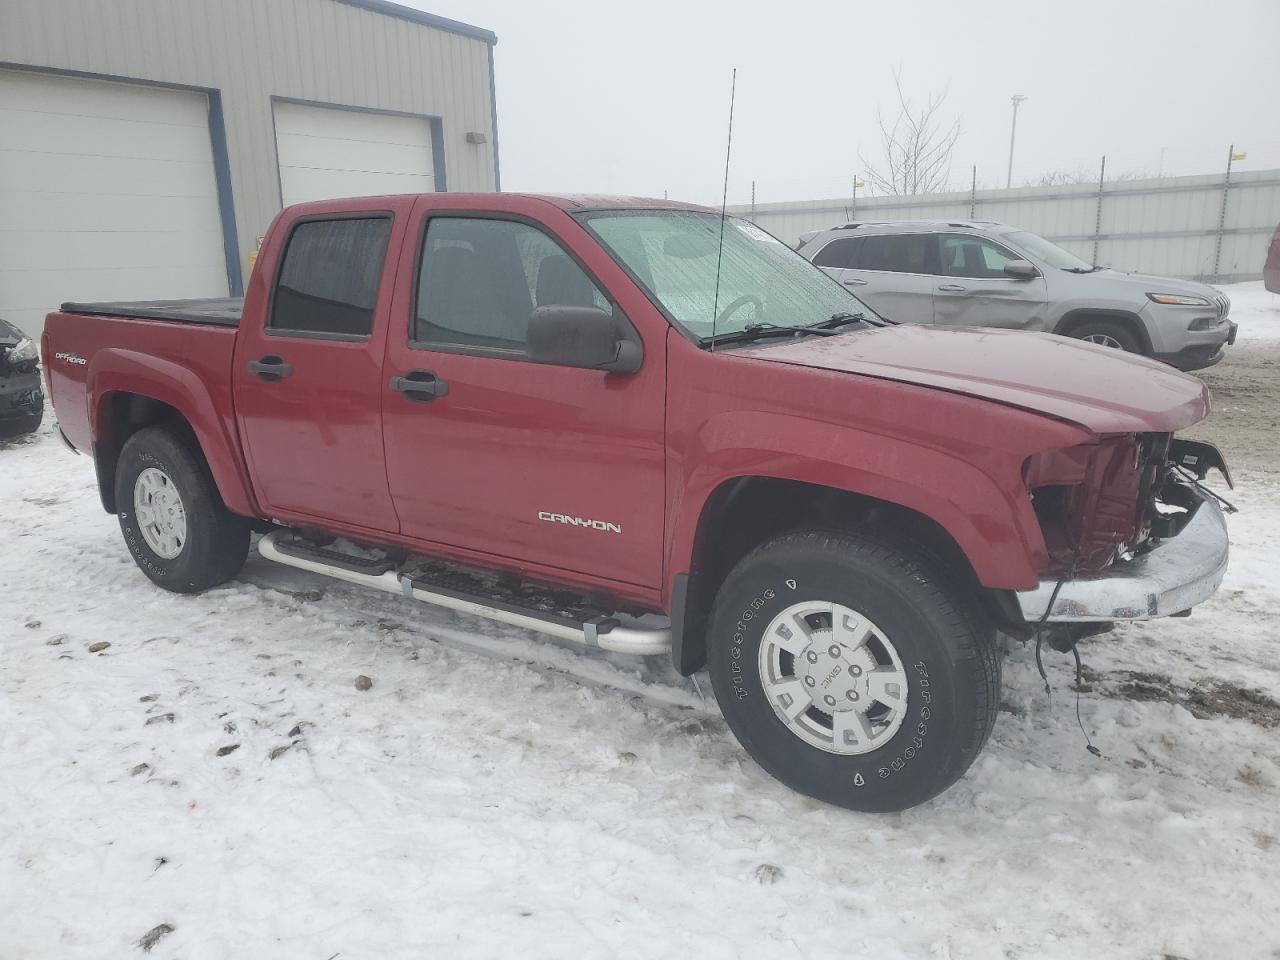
[[308, 384], [891, 273], [973, 289]]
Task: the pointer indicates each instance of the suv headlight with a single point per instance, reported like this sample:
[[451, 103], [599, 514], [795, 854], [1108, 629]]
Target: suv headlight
[[23, 352], [1178, 300]]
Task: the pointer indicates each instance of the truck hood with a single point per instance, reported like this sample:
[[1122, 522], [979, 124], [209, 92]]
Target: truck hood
[[1098, 388]]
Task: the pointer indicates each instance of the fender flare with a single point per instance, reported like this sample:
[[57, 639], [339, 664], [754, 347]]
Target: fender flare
[[998, 535], [115, 371]]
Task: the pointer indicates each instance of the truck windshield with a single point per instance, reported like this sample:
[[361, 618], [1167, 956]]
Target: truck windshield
[[673, 254], [1043, 250]]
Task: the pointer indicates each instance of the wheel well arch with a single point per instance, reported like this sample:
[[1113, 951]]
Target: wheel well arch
[[743, 512], [1073, 319], [120, 416]]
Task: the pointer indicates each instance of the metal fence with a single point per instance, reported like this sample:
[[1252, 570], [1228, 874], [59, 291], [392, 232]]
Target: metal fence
[[1215, 227]]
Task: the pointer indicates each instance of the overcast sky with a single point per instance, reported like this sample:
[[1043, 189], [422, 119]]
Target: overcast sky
[[596, 96]]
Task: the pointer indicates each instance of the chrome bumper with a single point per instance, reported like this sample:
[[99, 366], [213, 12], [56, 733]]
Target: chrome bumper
[[1176, 575]]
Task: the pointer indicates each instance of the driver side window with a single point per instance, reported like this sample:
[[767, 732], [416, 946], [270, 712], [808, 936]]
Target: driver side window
[[973, 257], [479, 280]]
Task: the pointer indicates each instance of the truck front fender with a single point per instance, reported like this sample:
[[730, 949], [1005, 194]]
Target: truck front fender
[[983, 508], [114, 372]]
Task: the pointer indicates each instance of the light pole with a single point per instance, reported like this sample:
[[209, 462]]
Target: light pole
[[1013, 131]]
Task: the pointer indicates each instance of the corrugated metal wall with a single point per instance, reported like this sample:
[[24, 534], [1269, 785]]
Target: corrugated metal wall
[[1166, 226], [326, 51]]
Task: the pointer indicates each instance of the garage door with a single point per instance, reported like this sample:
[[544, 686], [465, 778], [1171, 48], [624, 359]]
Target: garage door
[[326, 153], [107, 192]]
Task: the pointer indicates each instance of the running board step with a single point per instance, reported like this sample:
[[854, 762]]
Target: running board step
[[546, 612]]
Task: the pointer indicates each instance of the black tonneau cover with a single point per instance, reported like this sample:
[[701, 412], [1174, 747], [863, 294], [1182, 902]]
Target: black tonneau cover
[[218, 311]]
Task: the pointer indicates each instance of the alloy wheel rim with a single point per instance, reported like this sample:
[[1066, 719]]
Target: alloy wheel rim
[[833, 677], [1104, 340], [162, 518]]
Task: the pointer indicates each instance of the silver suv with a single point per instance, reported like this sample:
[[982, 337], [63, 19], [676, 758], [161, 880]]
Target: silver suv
[[987, 274]]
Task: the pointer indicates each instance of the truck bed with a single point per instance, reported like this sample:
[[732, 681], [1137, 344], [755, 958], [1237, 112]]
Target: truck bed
[[217, 311]]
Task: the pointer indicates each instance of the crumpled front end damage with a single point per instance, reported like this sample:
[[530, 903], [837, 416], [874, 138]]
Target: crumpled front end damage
[[1130, 533]]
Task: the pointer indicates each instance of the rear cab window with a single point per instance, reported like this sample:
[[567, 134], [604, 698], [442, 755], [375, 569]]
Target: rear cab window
[[327, 286]]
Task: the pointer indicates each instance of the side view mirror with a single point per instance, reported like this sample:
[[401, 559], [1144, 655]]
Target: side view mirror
[[571, 336], [1021, 270]]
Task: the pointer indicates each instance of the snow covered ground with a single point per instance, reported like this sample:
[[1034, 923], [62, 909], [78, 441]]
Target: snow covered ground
[[214, 769], [1255, 309]]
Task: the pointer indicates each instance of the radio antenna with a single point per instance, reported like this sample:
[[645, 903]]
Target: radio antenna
[[724, 202]]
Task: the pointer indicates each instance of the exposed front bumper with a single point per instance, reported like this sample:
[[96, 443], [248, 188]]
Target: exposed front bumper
[[1172, 577], [20, 395]]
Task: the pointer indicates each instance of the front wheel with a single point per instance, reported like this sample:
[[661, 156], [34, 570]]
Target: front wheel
[[179, 531], [853, 671], [1106, 333]]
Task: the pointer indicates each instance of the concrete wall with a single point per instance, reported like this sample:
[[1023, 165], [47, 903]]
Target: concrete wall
[[355, 53], [1167, 226]]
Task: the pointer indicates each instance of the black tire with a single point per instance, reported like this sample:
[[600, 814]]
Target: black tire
[[217, 541], [20, 426], [1118, 332], [944, 644]]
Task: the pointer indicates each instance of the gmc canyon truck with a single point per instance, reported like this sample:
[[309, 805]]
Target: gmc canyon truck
[[638, 426]]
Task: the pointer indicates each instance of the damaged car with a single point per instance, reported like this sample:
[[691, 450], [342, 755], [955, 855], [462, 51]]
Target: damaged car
[[21, 396]]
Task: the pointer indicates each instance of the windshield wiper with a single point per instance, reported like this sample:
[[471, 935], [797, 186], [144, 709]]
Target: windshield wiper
[[758, 331], [844, 319]]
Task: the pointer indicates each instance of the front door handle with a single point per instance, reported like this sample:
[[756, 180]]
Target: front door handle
[[952, 288], [270, 368], [420, 386], [854, 282]]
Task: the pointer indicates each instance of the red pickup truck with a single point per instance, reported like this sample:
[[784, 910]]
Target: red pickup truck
[[639, 426]]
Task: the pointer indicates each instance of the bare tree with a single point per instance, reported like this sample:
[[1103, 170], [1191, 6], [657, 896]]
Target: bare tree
[[1063, 177], [916, 147]]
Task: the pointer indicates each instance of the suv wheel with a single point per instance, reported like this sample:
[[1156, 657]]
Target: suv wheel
[[1107, 333], [852, 670], [172, 517]]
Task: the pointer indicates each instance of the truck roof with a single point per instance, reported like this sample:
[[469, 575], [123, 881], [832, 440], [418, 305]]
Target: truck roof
[[565, 201]]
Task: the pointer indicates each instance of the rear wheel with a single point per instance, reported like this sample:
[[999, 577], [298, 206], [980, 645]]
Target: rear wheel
[[852, 670], [1108, 333], [172, 517]]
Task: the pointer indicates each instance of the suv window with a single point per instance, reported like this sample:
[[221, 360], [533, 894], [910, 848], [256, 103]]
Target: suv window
[[968, 256], [899, 253], [329, 278], [841, 253], [479, 280]]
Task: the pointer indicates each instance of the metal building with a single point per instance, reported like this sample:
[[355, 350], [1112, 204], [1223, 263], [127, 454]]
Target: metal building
[[146, 144], [1214, 227]]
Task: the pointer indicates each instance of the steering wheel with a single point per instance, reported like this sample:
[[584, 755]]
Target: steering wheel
[[738, 304]]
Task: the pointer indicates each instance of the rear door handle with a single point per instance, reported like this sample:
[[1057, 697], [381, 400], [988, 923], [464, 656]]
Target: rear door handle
[[270, 368], [854, 282], [420, 386], [952, 288]]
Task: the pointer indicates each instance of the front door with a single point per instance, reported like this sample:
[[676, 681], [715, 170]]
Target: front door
[[308, 385], [492, 453], [973, 289]]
